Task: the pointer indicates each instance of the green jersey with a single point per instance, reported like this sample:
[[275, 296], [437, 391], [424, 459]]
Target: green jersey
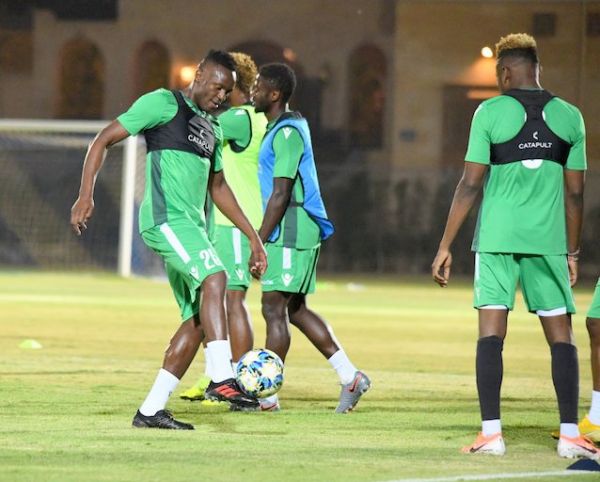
[[243, 130], [523, 210], [297, 227], [176, 181]]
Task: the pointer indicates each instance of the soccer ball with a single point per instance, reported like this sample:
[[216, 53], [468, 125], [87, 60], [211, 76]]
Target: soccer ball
[[260, 373]]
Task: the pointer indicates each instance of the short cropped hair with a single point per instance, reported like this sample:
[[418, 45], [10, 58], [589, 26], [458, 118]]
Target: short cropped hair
[[246, 71], [219, 57], [281, 77], [520, 45]]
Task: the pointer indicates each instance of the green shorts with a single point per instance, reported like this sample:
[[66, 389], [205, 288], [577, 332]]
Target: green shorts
[[290, 270], [233, 248], [189, 258], [544, 281], [594, 311]]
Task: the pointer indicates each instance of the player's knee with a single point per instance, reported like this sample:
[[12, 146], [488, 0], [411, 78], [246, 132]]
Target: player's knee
[[593, 328], [235, 301], [273, 312], [298, 317], [562, 334], [215, 284], [294, 316], [269, 312], [296, 311], [296, 307]]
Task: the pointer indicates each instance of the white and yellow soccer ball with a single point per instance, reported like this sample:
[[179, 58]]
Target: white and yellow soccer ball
[[260, 373]]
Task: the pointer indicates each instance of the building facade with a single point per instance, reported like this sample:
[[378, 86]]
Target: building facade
[[388, 86]]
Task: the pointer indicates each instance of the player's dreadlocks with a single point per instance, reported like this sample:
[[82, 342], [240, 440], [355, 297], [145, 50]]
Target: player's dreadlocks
[[520, 45], [246, 70]]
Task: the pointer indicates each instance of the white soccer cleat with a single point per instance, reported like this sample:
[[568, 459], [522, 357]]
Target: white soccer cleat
[[351, 392], [577, 447], [490, 445]]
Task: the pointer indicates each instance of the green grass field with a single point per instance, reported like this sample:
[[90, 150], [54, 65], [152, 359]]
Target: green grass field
[[66, 409]]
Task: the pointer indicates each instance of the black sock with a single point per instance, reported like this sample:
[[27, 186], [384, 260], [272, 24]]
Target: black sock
[[489, 368], [565, 375]]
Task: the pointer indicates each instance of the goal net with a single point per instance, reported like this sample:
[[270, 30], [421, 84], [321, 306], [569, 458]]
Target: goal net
[[40, 165], [394, 213]]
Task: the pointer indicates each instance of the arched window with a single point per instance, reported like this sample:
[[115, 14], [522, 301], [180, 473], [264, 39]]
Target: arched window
[[152, 67], [81, 81], [367, 74]]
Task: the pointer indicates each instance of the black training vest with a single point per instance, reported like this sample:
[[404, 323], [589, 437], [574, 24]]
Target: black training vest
[[187, 132], [535, 140]]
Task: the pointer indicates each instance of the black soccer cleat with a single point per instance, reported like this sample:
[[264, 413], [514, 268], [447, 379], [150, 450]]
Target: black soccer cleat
[[161, 419], [229, 391]]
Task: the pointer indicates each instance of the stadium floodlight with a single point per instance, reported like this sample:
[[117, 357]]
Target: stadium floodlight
[[41, 163], [487, 52], [187, 73]]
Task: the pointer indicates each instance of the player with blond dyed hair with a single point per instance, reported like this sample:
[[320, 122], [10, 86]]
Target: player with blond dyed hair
[[247, 71], [243, 130], [515, 41], [527, 150]]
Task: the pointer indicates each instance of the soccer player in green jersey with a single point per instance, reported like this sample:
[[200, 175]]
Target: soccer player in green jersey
[[243, 130], [527, 150], [184, 144], [295, 222]]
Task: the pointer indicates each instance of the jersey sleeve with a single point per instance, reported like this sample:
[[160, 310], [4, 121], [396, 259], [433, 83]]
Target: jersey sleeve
[[150, 110], [577, 159], [478, 149], [235, 124], [288, 147], [217, 157]]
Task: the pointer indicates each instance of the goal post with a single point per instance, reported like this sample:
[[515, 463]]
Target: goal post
[[126, 226], [41, 162]]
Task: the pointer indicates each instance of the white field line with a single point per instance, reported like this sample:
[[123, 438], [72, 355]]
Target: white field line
[[507, 475]]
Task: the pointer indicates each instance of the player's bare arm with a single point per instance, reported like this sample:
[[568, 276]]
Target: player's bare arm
[[226, 202], [83, 208], [574, 182], [464, 197], [278, 203]]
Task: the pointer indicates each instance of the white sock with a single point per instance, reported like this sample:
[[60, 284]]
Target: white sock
[[207, 367], [569, 429], [343, 366], [160, 392], [491, 427], [219, 354], [594, 414], [273, 399]]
